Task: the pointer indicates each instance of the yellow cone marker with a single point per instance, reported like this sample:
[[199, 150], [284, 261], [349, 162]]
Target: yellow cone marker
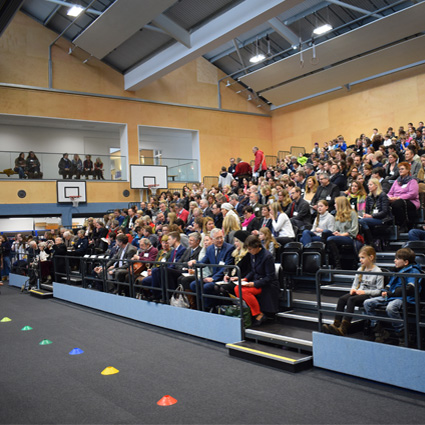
[[109, 371], [5, 319]]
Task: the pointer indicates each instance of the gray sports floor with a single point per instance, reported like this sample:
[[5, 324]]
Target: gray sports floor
[[46, 385]]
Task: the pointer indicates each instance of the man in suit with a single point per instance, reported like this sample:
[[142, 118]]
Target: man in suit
[[298, 210], [219, 253], [206, 210], [117, 266], [175, 257], [237, 205], [59, 251]]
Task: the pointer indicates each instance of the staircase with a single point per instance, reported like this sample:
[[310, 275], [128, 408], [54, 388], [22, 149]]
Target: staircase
[[285, 342]]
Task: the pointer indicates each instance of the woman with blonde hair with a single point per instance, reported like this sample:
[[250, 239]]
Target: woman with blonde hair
[[231, 224], [171, 217], [311, 186], [377, 210], [208, 225], [268, 241], [346, 229]]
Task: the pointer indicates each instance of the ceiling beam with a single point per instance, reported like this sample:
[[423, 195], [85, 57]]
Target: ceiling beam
[[355, 8], [240, 19], [118, 23], [284, 31], [172, 29]]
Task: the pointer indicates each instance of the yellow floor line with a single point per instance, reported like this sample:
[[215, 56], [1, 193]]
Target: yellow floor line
[[261, 352]]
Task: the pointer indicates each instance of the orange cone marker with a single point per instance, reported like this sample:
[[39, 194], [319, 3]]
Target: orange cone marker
[[167, 400]]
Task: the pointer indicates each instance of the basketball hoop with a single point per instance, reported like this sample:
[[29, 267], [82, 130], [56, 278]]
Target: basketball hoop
[[75, 200], [153, 188]]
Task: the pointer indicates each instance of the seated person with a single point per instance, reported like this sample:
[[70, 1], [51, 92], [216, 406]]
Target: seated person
[[324, 221], [98, 169], [261, 281], [346, 230], [392, 296], [404, 198], [20, 165], [77, 166], [364, 287], [33, 166], [65, 167], [250, 222], [282, 226], [117, 266], [218, 254], [88, 166], [175, 257]]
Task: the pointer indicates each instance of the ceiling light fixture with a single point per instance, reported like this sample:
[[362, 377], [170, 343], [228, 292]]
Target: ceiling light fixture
[[258, 57], [322, 29], [75, 10]]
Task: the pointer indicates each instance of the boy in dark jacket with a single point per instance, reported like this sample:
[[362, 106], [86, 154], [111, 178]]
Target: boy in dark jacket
[[392, 295]]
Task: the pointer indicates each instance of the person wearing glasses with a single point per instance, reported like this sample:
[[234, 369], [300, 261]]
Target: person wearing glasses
[[404, 198], [327, 191]]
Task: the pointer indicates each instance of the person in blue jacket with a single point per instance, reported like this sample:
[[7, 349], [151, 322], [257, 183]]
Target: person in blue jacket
[[219, 253], [392, 295]]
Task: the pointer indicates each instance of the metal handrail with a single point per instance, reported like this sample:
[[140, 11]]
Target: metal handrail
[[131, 284], [403, 276]]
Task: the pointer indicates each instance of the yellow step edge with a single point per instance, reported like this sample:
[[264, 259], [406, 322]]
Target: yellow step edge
[[37, 292], [260, 352]]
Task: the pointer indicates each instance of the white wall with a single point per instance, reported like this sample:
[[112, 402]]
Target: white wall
[[173, 142]]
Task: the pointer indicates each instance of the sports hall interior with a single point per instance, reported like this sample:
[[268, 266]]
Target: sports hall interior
[[210, 386]]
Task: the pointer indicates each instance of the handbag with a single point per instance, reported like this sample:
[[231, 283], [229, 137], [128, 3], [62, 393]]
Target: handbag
[[235, 311], [179, 300]]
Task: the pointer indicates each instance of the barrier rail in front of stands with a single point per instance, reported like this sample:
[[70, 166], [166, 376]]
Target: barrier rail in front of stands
[[418, 323]]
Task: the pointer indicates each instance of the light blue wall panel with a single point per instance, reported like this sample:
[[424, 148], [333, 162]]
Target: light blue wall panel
[[17, 280], [205, 325], [389, 364]]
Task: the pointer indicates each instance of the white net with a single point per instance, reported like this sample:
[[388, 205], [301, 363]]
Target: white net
[[75, 200]]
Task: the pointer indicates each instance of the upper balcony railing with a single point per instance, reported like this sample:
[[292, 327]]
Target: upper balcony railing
[[114, 167], [179, 169]]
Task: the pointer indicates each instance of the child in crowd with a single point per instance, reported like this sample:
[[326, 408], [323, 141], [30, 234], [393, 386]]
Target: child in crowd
[[364, 287]]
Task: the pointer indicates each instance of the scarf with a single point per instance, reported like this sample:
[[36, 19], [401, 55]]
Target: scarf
[[402, 181], [248, 220]]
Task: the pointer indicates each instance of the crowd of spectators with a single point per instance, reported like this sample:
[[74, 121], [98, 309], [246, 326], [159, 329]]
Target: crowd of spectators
[[336, 194]]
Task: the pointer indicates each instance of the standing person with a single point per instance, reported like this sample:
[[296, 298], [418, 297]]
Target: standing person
[[260, 166], [243, 170], [232, 166], [225, 178], [364, 287]]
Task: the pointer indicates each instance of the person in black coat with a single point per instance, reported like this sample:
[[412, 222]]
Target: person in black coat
[[250, 222], [59, 263], [298, 210], [261, 281], [327, 191], [65, 167], [338, 178], [377, 209]]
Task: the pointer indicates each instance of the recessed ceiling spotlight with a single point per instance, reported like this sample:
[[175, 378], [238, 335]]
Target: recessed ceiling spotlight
[[323, 29]]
